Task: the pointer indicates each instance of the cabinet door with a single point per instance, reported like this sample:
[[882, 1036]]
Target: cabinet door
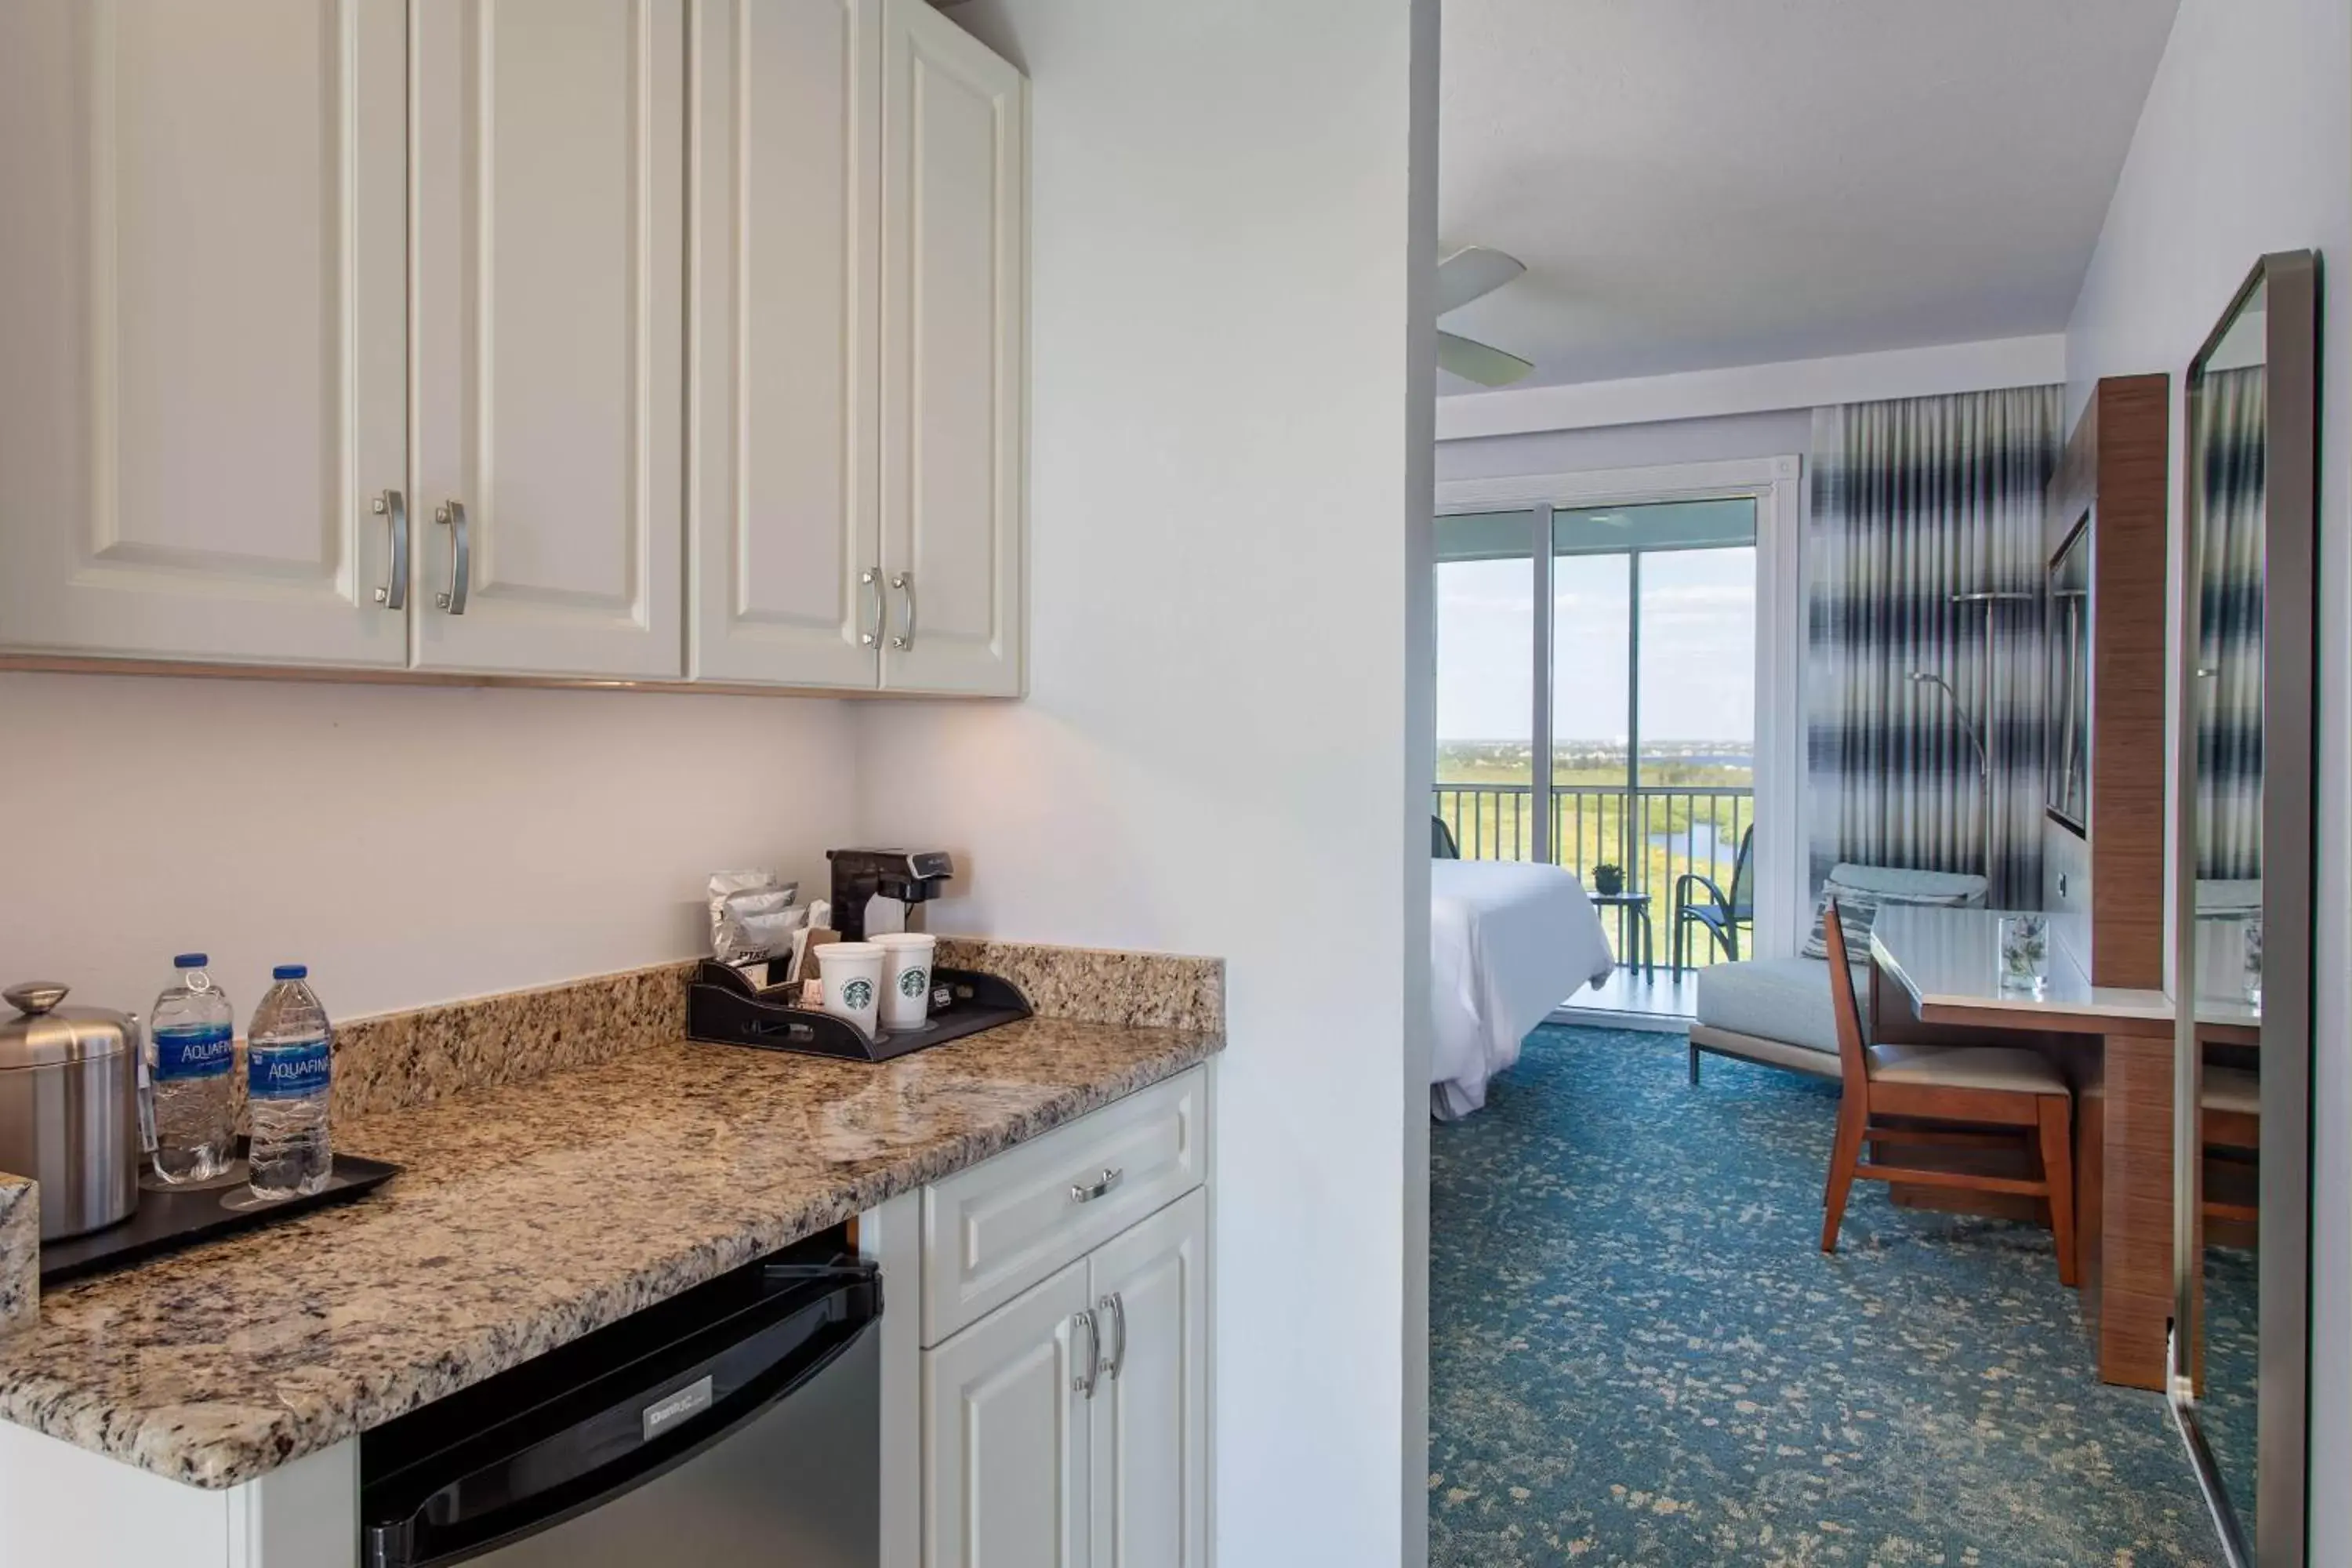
[[1150, 1440], [784, 525], [1005, 1436], [954, 272], [550, 178], [202, 279]]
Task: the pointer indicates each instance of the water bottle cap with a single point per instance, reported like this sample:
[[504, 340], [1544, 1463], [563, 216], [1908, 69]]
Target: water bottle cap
[[190, 960], [290, 972]]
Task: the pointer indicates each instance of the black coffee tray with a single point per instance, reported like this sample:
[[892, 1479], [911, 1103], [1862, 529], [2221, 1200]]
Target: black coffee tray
[[725, 1009], [169, 1219]]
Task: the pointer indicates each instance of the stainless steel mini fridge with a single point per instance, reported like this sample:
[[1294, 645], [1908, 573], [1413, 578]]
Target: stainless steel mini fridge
[[736, 1423]]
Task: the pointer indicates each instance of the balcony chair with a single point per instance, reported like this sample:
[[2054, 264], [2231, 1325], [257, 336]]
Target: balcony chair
[[1441, 841], [1721, 917], [1963, 1091]]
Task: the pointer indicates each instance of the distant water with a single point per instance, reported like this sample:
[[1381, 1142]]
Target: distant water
[[1704, 841]]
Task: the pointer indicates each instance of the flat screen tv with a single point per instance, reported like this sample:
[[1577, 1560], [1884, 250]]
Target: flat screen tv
[[2068, 793]]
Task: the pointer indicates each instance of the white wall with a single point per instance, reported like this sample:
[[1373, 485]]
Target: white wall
[[1230, 449], [1985, 366], [411, 845], [2245, 146], [1649, 444]]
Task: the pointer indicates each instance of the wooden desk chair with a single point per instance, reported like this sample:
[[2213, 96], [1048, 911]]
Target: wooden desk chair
[[2229, 1116], [1974, 1086]]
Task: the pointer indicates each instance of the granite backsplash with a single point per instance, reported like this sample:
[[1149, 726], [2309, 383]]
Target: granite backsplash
[[394, 1060]]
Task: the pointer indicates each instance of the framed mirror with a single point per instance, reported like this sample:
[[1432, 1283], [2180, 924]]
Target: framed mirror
[[2242, 852]]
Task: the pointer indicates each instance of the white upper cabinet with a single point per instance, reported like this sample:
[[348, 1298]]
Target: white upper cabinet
[[550, 395], [783, 160], [954, 283], [860, 272], [555, 339], [201, 269]]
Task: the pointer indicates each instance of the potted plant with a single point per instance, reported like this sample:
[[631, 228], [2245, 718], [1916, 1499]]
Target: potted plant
[[1608, 880]]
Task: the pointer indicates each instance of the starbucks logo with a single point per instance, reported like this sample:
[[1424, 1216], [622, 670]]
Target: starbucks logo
[[911, 984], [857, 995]]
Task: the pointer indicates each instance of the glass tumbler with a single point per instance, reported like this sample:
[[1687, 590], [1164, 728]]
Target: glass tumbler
[[2025, 954]]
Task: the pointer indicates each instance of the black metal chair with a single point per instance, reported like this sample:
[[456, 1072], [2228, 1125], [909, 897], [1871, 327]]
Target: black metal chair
[[1441, 841], [1721, 915]]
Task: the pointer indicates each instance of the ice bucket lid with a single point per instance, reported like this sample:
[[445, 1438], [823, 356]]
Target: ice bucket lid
[[43, 1034]]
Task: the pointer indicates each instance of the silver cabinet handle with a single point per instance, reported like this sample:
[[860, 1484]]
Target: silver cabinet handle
[[393, 595], [905, 582], [872, 579], [1116, 1305], [1098, 1187], [1083, 1381], [461, 557]]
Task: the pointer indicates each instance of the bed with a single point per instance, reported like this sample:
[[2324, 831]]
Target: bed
[[1508, 941]]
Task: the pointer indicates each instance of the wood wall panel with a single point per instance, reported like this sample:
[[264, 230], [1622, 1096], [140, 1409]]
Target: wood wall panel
[[2134, 1296], [2118, 468]]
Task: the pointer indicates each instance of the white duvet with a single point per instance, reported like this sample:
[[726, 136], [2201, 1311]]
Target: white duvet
[[1508, 941]]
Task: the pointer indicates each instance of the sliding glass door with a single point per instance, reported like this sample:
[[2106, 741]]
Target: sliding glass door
[[1591, 708], [1630, 743], [1486, 684]]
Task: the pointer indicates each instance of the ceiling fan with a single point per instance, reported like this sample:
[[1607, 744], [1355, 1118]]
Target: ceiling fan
[[1469, 274]]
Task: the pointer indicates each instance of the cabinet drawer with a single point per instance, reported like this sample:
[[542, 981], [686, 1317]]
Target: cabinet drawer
[[992, 1232]]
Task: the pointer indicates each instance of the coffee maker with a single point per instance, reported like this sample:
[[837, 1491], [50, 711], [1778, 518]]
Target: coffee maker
[[872, 888]]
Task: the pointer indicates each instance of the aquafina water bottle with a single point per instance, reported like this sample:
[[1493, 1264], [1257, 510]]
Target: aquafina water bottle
[[288, 1060], [190, 1052]]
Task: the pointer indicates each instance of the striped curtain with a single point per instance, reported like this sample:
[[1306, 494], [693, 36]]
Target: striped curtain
[[2229, 413], [1910, 503]]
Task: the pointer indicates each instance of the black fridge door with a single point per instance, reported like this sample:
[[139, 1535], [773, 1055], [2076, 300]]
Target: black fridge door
[[594, 1420]]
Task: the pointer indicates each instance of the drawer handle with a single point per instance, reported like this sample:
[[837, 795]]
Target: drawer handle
[[1110, 1178]]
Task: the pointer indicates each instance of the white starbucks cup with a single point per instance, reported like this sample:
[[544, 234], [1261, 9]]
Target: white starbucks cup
[[906, 978], [852, 972]]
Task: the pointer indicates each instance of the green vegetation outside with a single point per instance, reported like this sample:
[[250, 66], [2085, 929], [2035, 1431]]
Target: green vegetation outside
[[1666, 836]]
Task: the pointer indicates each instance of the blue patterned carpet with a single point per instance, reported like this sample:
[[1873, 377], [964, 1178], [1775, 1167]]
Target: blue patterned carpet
[[1639, 1355]]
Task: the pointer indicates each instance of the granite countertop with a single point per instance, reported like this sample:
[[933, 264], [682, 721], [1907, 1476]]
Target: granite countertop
[[529, 1215]]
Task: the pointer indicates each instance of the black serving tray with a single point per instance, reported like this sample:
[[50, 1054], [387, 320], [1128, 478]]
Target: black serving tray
[[171, 1217], [725, 1009]]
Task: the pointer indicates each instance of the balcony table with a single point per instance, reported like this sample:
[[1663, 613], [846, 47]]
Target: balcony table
[[1637, 905]]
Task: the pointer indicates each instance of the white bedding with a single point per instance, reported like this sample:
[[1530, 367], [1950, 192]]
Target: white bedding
[[1508, 941]]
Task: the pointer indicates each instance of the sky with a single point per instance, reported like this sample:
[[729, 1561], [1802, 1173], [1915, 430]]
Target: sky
[[1698, 648]]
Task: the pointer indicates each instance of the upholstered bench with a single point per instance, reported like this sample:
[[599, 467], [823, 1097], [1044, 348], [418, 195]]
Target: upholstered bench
[[1777, 1010], [1769, 1010]]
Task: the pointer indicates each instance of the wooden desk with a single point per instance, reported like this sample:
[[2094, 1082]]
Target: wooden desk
[[1935, 980]]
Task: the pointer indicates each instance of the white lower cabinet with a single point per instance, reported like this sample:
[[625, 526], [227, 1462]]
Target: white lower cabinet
[[1067, 1427], [1147, 1487], [66, 1507], [1007, 1443]]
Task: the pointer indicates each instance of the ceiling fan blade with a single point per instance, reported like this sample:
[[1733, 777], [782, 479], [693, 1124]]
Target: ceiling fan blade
[[1476, 362], [1472, 271]]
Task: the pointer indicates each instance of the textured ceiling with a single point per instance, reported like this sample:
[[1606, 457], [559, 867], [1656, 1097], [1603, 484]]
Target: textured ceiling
[[1696, 183]]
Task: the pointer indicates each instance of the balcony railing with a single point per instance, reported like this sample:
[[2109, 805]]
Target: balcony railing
[[1655, 833]]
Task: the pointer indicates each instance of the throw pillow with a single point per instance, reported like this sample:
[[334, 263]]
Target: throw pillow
[[1862, 890]]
